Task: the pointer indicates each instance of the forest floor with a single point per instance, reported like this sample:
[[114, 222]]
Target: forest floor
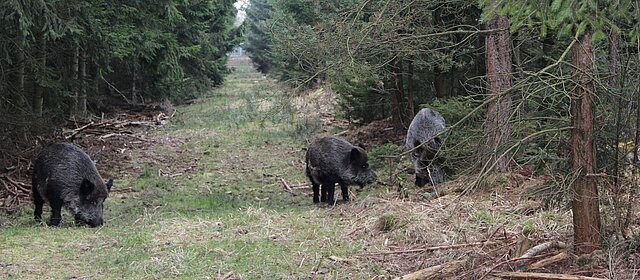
[[220, 193]]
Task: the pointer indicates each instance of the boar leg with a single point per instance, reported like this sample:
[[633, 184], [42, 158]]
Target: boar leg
[[331, 188], [420, 181], [316, 192], [56, 212], [39, 202], [323, 193], [345, 191]]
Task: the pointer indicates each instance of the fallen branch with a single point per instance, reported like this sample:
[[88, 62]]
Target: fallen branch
[[286, 186], [435, 248], [78, 130], [123, 134], [501, 264], [300, 186], [441, 271], [536, 250], [339, 259], [545, 262], [22, 186], [6, 187], [542, 276]]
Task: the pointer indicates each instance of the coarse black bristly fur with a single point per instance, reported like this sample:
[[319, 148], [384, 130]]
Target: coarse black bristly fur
[[64, 175], [332, 160]]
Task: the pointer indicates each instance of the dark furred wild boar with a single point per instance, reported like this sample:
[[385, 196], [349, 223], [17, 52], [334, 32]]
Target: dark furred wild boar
[[332, 160], [422, 140], [64, 175]]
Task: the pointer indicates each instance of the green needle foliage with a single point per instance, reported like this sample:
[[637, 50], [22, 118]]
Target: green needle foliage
[[140, 50]]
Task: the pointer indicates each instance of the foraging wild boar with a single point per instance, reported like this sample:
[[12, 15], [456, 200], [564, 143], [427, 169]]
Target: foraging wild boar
[[332, 160], [426, 161], [64, 175]]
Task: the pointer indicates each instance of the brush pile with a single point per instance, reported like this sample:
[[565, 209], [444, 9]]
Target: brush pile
[[106, 139]]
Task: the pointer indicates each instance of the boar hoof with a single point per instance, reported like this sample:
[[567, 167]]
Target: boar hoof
[[54, 222]]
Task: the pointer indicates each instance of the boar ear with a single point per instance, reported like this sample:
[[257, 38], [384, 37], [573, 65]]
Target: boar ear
[[355, 154], [86, 187], [109, 184]]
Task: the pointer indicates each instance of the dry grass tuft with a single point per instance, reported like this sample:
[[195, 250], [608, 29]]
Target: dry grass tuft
[[187, 231], [483, 228]]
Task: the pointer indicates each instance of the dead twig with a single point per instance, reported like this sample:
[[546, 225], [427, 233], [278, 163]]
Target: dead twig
[[542, 276], [434, 248], [22, 186], [339, 259], [78, 130], [286, 186], [6, 187], [536, 250], [503, 263], [545, 262], [435, 272]]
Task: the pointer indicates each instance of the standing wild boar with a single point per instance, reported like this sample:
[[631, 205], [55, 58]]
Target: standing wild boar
[[424, 139], [64, 175], [332, 160]]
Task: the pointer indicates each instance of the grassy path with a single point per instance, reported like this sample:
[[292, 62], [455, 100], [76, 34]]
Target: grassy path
[[206, 204], [202, 199]]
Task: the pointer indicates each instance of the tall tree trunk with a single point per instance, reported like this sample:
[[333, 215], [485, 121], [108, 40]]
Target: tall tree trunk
[[396, 112], [96, 80], [636, 153], [410, 103], [20, 42], [39, 89], [440, 84], [586, 213], [497, 129], [614, 85], [76, 81], [134, 82], [82, 102], [399, 81]]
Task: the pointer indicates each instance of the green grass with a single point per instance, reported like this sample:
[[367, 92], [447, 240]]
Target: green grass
[[223, 212]]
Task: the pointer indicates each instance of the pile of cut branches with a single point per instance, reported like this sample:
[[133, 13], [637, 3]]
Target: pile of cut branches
[[102, 137], [13, 190], [120, 125]]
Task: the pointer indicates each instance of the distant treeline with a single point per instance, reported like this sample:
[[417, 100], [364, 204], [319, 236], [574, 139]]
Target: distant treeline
[[385, 57], [61, 58]]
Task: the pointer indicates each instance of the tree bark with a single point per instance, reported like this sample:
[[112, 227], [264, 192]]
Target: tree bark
[[134, 82], [497, 129], [39, 89], [396, 112], [20, 56], [82, 102], [399, 68], [76, 82], [410, 103], [614, 85], [585, 205], [96, 80]]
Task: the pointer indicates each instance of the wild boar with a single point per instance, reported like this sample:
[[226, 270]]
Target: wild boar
[[64, 175], [424, 139], [332, 160]]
